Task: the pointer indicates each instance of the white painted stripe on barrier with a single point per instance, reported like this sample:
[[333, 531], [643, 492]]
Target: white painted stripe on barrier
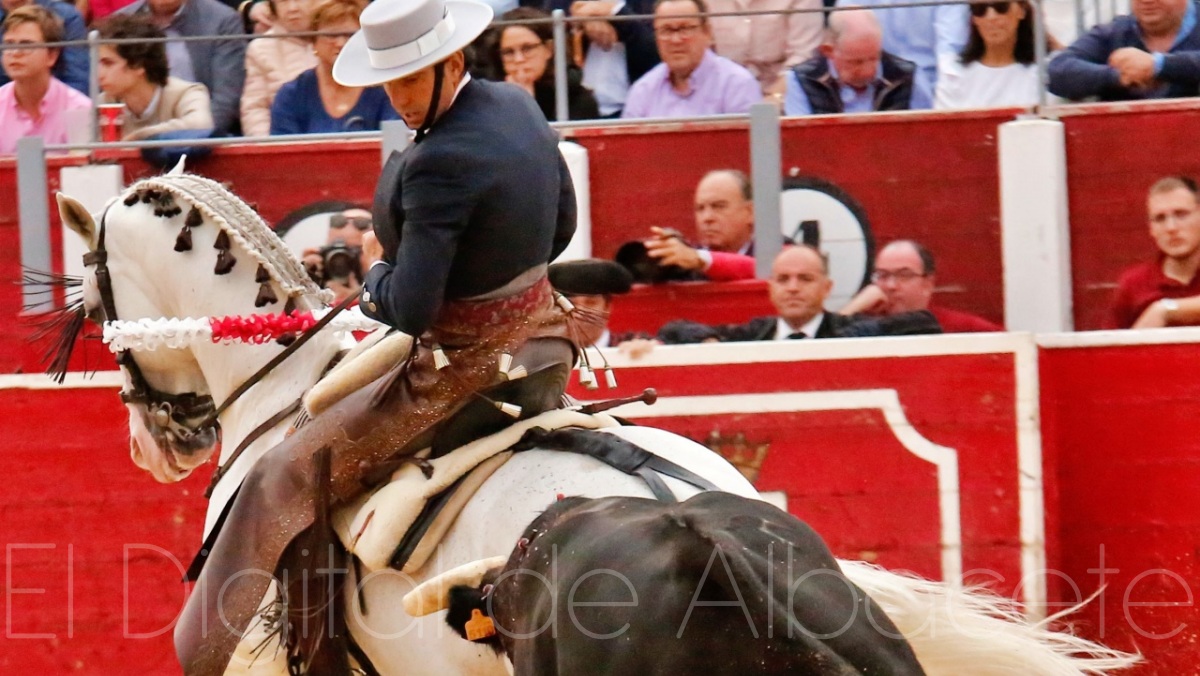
[[1124, 337], [1030, 486], [887, 401], [708, 354], [74, 381]]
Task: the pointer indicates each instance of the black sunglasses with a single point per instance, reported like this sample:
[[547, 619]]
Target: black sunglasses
[[339, 221], [981, 8]]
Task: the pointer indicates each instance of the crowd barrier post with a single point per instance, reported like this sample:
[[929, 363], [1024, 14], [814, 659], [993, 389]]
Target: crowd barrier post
[[395, 138], [34, 219], [765, 167], [561, 112], [93, 44], [1034, 233]]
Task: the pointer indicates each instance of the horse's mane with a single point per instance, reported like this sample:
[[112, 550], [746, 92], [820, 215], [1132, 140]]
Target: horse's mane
[[217, 205]]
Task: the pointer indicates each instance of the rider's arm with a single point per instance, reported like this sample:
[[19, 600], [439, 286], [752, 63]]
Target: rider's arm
[[438, 198]]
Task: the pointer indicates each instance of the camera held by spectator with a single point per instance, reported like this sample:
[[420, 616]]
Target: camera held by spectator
[[339, 262], [339, 265]]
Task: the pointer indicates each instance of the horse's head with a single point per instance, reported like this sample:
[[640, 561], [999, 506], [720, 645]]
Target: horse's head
[[161, 439], [168, 248]]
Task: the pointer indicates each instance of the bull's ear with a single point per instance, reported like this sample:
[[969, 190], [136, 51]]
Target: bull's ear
[[463, 601], [77, 218]]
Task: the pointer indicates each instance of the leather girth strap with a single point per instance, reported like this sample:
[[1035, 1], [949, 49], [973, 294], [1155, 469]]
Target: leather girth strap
[[617, 453]]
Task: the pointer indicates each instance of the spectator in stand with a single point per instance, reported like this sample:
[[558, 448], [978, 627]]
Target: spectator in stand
[[315, 103], [615, 53], [691, 80], [1152, 54], [34, 103], [1166, 291], [904, 280], [275, 60], [526, 56], [72, 64], [852, 73], [767, 44], [340, 265], [590, 285], [136, 74], [219, 65], [798, 288], [931, 37], [998, 66], [258, 17], [724, 213]]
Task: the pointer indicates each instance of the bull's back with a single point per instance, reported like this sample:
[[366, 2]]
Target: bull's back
[[718, 584]]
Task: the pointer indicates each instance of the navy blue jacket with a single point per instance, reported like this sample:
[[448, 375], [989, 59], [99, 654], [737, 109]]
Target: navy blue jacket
[[72, 64], [893, 93], [485, 196], [1082, 70]]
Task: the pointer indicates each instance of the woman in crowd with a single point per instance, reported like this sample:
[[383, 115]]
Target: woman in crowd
[[275, 60], [525, 54], [314, 103], [997, 67], [137, 75]]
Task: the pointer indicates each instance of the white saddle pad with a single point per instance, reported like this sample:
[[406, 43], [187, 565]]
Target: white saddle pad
[[371, 527]]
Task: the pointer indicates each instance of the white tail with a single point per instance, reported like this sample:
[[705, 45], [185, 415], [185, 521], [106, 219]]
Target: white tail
[[958, 631]]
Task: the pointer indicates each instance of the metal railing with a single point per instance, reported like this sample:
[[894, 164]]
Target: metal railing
[[560, 23]]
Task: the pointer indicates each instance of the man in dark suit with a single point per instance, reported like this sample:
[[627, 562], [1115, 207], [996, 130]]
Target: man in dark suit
[[465, 220], [219, 65], [799, 286]]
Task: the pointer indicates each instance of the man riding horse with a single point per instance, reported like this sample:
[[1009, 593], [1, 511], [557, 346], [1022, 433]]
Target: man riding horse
[[467, 220]]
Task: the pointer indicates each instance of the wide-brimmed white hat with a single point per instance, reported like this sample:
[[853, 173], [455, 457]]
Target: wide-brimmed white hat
[[400, 37]]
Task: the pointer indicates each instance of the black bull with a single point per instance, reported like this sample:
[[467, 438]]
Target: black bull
[[718, 584]]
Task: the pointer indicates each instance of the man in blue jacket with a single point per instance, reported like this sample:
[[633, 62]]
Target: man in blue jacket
[[1152, 54], [72, 64]]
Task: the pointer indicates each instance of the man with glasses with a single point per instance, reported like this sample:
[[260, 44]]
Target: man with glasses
[[692, 80], [1152, 54], [904, 281], [35, 103], [72, 64], [1166, 291], [852, 74]]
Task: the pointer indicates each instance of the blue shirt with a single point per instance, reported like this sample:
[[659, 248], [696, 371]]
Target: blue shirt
[[1185, 28], [795, 101], [923, 35], [297, 109]]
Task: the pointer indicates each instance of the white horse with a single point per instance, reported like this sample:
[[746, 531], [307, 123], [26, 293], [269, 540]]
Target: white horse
[[951, 631]]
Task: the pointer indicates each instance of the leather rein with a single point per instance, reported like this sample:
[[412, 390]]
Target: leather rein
[[173, 412]]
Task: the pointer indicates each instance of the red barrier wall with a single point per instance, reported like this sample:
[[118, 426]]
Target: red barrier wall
[[931, 176], [844, 428], [1126, 468]]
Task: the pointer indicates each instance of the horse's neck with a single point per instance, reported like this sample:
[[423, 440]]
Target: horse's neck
[[226, 368]]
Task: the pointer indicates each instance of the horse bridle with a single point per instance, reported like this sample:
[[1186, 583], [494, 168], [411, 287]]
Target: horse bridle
[[173, 411], [169, 411]]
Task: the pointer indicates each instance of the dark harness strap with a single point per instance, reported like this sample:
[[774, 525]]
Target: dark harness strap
[[266, 426], [617, 453]]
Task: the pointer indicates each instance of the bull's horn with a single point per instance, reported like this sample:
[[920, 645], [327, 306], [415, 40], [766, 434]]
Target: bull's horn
[[433, 595]]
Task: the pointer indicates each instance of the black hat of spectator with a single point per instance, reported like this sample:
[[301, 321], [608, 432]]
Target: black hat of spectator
[[634, 257], [590, 277]]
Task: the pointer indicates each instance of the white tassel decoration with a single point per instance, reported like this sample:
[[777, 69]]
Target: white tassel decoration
[[440, 360]]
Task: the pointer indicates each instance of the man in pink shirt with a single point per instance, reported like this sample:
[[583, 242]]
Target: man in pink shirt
[[35, 103]]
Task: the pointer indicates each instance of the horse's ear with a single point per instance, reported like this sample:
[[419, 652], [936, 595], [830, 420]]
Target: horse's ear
[[77, 218], [177, 170]]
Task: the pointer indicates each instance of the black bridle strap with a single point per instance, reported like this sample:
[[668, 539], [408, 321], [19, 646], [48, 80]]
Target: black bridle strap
[[278, 359], [262, 429], [99, 259]]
